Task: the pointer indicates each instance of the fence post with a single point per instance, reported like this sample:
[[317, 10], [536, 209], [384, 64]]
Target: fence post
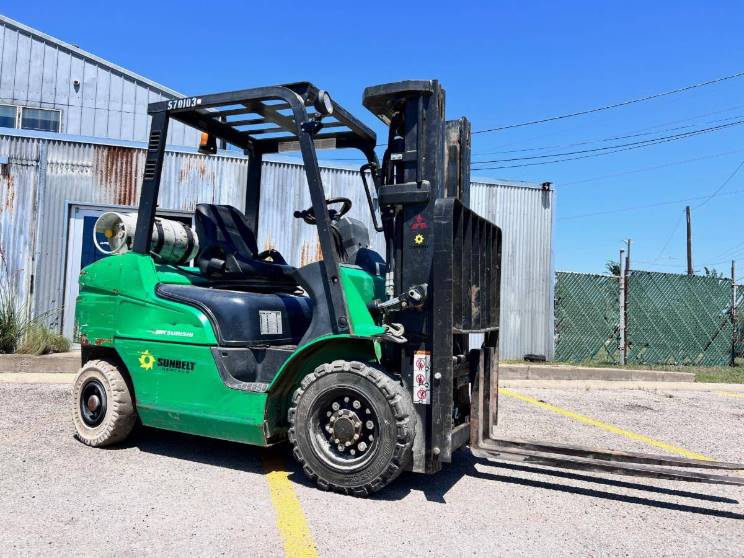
[[626, 276], [621, 301], [734, 334]]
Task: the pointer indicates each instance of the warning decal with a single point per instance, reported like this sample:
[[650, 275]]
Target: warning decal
[[270, 322], [422, 377]]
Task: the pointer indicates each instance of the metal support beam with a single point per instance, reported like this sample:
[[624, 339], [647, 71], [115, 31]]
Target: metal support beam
[[151, 182]]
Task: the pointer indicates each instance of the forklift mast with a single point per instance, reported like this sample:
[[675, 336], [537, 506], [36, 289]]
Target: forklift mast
[[434, 240]]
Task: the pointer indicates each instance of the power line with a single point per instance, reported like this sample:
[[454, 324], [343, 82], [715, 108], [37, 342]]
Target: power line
[[730, 250], [646, 206], [630, 148], [629, 135], [612, 106], [641, 143], [721, 187], [655, 167], [671, 235]]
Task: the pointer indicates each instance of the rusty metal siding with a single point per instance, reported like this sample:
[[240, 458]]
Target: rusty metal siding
[[18, 198], [102, 175], [285, 187], [525, 215], [37, 70], [74, 170]]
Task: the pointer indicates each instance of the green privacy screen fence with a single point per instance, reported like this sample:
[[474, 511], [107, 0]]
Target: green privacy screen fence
[[587, 317], [670, 319], [740, 322]]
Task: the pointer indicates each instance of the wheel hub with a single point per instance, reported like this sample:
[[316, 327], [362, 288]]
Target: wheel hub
[[94, 402], [349, 426], [346, 427]]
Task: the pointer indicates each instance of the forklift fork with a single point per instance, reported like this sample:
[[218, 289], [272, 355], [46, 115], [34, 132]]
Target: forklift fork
[[485, 445]]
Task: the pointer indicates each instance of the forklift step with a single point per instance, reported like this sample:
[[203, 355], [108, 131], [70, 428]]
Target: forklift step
[[623, 463]]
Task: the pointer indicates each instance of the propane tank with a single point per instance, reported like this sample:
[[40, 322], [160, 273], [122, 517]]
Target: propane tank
[[172, 242]]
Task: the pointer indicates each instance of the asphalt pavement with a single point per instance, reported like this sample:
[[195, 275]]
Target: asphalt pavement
[[174, 494]]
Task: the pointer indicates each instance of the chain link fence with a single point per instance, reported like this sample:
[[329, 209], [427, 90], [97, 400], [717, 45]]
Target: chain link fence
[[669, 319], [740, 321], [587, 317]]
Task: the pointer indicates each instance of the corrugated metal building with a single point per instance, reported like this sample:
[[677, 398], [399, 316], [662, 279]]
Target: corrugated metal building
[[72, 133], [52, 187], [79, 93]]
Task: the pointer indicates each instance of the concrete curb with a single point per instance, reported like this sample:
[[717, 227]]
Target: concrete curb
[[735, 390], [52, 364], [70, 363], [564, 372]]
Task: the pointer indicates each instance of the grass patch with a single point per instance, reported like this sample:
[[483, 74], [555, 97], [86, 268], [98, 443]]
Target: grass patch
[[20, 334], [13, 323], [41, 340]]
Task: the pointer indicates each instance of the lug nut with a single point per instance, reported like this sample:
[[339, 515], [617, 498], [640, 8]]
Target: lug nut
[[335, 406], [362, 446], [356, 404], [340, 448], [369, 424], [346, 399], [336, 441], [352, 451], [347, 444], [371, 438], [329, 413]]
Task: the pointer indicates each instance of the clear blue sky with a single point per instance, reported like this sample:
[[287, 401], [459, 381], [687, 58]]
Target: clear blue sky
[[500, 62]]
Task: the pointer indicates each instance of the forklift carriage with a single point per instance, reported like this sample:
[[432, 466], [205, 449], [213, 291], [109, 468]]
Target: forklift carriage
[[362, 362]]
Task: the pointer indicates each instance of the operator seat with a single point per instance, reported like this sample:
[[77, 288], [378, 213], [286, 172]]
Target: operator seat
[[229, 250], [351, 237]]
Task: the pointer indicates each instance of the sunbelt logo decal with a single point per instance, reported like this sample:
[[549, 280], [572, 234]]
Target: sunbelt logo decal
[[147, 361]]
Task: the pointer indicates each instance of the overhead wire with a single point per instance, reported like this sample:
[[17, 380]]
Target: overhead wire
[[612, 106], [669, 239], [592, 155], [641, 143], [651, 168], [722, 186], [645, 206], [628, 135]]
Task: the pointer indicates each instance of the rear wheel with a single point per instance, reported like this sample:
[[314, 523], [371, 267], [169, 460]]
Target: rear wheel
[[102, 408], [351, 427]]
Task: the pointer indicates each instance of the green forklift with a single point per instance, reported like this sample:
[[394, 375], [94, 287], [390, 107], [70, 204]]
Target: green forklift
[[361, 360]]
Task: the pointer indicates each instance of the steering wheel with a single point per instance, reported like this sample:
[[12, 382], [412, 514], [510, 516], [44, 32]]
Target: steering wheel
[[308, 215]]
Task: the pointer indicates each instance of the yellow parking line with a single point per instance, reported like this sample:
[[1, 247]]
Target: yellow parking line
[[730, 394], [290, 519], [604, 426]]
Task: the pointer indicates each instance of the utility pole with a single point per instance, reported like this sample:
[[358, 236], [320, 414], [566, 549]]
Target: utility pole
[[621, 301], [689, 240], [735, 335]]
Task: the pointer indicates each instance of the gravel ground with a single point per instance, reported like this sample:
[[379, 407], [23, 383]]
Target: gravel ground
[[171, 494]]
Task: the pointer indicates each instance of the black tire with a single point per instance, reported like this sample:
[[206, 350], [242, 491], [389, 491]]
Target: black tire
[[326, 405], [102, 408]]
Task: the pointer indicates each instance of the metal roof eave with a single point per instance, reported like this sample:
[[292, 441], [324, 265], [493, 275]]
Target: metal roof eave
[[85, 54]]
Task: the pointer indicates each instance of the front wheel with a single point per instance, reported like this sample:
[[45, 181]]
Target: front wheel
[[102, 408], [351, 427]]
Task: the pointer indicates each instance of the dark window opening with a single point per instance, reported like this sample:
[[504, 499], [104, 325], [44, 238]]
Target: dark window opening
[[7, 116], [40, 119]]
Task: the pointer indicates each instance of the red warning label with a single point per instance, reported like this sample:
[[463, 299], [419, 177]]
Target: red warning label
[[422, 377]]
